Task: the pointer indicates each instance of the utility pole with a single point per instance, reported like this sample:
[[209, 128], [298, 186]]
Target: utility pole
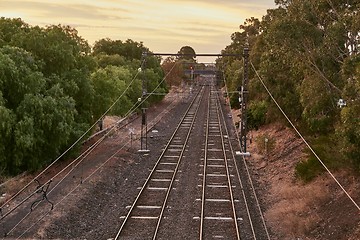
[[143, 138], [243, 102]]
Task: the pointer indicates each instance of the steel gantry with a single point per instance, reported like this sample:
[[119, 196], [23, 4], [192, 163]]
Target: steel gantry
[[243, 91]]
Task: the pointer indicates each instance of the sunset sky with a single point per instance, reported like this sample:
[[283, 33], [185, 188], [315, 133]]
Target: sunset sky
[[162, 25]]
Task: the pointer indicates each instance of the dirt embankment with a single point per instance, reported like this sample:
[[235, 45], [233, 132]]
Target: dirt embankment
[[293, 210]]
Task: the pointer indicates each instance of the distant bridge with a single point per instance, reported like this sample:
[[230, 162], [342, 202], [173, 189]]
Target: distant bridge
[[201, 72]]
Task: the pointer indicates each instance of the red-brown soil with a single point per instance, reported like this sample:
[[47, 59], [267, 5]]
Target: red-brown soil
[[293, 210]]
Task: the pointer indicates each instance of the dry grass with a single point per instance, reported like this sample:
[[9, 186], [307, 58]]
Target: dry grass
[[317, 210], [265, 144], [356, 234], [13, 185], [292, 213]]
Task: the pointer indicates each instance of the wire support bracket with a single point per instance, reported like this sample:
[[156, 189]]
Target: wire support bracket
[[42, 189]]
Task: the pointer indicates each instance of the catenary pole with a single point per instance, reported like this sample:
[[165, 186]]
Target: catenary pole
[[243, 99]]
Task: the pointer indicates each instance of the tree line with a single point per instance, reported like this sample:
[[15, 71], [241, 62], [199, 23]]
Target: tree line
[[181, 69], [54, 86], [307, 53]]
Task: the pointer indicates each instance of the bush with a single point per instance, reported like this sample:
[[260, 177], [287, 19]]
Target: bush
[[234, 100], [257, 114], [309, 169], [328, 151]]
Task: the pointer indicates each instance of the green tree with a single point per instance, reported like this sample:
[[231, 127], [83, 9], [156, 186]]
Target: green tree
[[19, 75], [153, 80], [44, 126], [348, 128], [9, 28], [45, 90], [104, 60], [173, 71], [129, 49], [319, 107], [36, 122], [64, 58], [187, 53], [306, 51], [7, 122], [109, 84], [257, 114], [115, 58], [350, 133], [59, 47], [52, 88]]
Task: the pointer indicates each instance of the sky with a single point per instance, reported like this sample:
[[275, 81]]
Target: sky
[[164, 26]]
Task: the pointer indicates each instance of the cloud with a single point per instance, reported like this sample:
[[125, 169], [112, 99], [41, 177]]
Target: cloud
[[232, 3], [160, 24], [48, 10]]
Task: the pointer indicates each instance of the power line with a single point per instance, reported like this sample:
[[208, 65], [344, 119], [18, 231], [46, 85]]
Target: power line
[[196, 54], [97, 143], [59, 157], [71, 191], [247, 171], [86, 152], [97, 169], [303, 139]]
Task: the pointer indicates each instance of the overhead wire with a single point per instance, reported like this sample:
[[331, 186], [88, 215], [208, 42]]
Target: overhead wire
[[247, 172], [76, 187], [61, 155], [47, 182], [131, 110], [91, 148], [236, 167], [304, 140], [88, 151], [85, 179]]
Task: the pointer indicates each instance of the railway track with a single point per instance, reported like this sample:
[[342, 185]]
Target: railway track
[[218, 215], [235, 209], [196, 189], [145, 214], [195, 192]]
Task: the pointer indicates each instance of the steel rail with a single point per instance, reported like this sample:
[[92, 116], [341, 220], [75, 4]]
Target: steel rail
[[156, 165], [238, 176], [206, 150], [227, 167], [176, 168], [204, 172], [255, 196], [242, 188], [248, 174]]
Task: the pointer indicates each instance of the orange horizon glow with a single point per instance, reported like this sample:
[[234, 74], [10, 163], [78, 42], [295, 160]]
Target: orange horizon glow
[[162, 25]]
